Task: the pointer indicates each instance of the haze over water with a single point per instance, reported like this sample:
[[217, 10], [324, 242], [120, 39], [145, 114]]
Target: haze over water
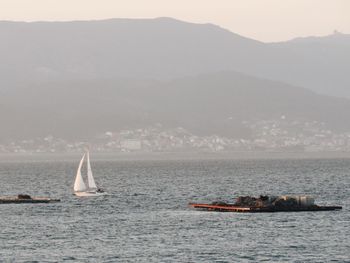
[[146, 219]]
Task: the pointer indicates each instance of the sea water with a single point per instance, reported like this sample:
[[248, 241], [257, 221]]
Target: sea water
[[145, 217]]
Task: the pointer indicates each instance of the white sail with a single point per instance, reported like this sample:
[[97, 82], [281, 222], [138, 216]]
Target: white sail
[[91, 181], [79, 184]]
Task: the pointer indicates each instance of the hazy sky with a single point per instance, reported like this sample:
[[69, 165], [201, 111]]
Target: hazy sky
[[266, 20]]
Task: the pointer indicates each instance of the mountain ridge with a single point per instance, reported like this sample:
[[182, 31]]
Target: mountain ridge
[[71, 80], [163, 48]]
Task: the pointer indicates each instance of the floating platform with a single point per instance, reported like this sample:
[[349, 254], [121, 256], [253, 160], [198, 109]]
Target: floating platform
[[252, 209], [26, 199]]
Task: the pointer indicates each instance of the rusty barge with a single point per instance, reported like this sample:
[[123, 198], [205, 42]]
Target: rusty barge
[[266, 204]]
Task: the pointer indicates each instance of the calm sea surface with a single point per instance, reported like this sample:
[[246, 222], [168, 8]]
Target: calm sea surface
[[146, 219]]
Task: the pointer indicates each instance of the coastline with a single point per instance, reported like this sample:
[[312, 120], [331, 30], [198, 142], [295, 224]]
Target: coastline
[[169, 156]]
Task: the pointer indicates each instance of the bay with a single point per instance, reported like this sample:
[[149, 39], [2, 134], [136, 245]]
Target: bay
[[145, 217]]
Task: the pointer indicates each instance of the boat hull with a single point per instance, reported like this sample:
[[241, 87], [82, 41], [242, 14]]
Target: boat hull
[[89, 194], [33, 200], [233, 208]]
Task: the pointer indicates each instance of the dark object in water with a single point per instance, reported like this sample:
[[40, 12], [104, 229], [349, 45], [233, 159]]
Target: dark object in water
[[24, 196], [26, 199], [266, 204]]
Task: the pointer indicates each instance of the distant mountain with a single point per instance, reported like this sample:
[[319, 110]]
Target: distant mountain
[[136, 48], [318, 63], [165, 48], [77, 79], [216, 103]]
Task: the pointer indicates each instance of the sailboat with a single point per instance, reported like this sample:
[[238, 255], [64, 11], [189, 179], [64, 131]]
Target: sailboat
[[80, 188]]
